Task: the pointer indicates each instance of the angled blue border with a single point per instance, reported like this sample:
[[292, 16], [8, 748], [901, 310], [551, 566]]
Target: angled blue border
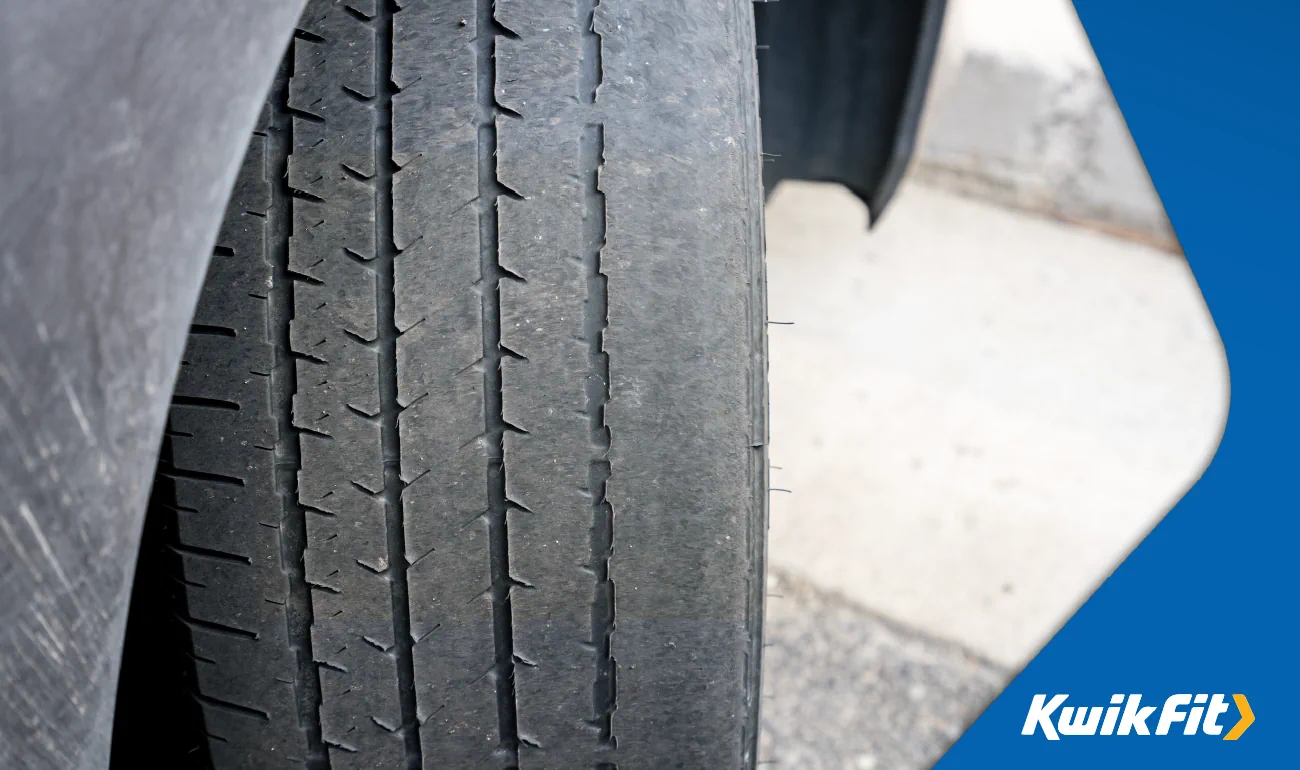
[[1208, 602]]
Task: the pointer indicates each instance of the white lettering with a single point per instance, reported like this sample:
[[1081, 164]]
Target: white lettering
[[1199, 713], [1170, 713], [1084, 724], [1112, 713], [1194, 717], [1212, 714], [1041, 716], [1134, 718]]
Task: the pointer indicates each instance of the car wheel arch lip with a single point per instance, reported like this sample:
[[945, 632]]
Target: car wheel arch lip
[[843, 90]]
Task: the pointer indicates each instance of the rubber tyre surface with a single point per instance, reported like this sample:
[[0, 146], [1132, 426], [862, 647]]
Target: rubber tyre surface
[[466, 461]]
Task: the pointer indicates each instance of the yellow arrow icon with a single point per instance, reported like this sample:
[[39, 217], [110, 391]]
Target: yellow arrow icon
[[1247, 718]]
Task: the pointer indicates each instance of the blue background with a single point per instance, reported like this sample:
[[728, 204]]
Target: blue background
[[1208, 602]]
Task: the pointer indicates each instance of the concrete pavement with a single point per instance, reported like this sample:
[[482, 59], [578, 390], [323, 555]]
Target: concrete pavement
[[1020, 114], [979, 413], [845, 689]]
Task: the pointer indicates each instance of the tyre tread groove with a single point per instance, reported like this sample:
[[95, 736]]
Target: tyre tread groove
[[490, 190], [288, 456], [390, 407], [595, 320]]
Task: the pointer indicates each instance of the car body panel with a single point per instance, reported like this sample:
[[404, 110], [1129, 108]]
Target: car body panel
[[122, 123], [843, 88]]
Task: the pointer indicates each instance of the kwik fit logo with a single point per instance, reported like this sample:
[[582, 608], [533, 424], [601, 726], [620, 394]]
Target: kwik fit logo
[[1192, 714]]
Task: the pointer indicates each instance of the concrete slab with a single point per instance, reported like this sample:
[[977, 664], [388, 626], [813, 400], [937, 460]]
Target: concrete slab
[[979, 412], [847, 690], [1020, 114]]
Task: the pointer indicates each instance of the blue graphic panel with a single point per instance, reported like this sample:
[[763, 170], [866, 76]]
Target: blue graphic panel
[[1208, 603]]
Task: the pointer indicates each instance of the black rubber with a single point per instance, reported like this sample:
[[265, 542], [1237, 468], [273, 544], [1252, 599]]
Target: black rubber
[[466, 462]]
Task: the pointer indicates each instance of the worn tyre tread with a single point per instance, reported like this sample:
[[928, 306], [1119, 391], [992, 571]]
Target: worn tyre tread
[[469, 450]]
